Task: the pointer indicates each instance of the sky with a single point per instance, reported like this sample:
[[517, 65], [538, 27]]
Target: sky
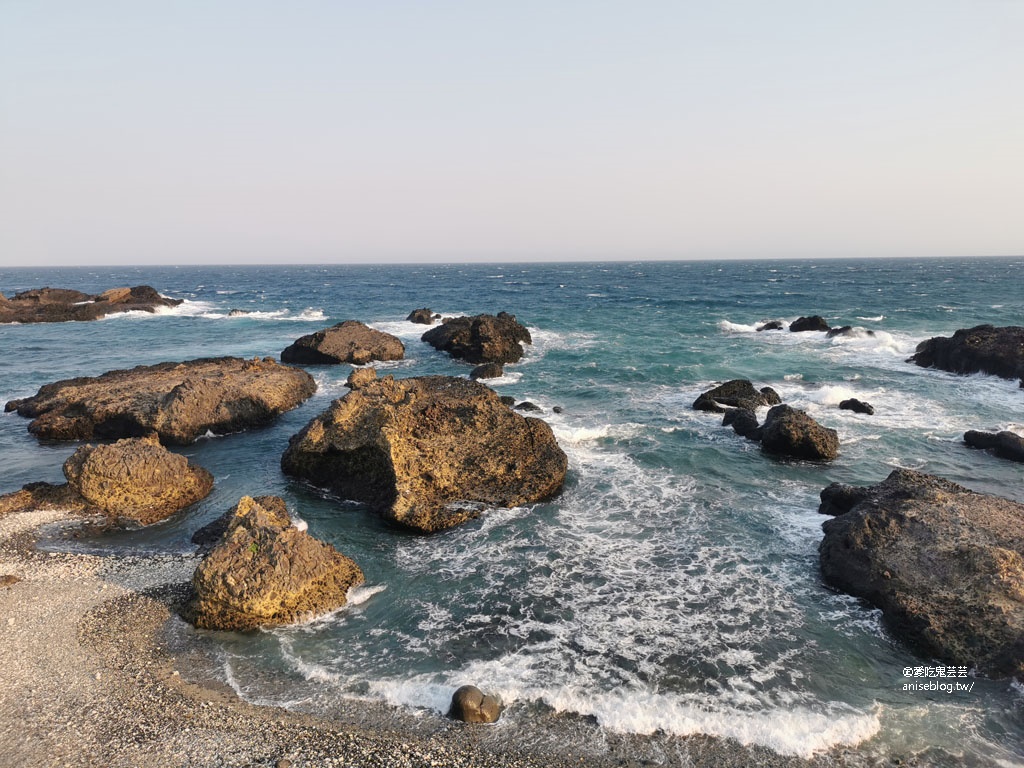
[[249, 131]]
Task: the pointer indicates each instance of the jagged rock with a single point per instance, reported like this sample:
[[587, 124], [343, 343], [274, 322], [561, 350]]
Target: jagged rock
[[266, 572], [487, 371], [1005, 444], [771, 325], [738, 393], [527, 407], [360, 377], [136, 480], [179, 401], [791, 432], [422, 316], [428, 453], [45, 496], [942, 562], [743, 422], [55, 305], [982, 349], [347, 342], [857, 406], [480, 339], [471, 705], [840, 498], [812, 323]]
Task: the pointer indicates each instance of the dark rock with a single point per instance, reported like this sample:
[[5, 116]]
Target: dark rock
[[487, 371], [790, 432], [347, 342], [839, 498], [55, 305], [179, 401], [527, 407], [982, 349], [265, 572], [812, 323], [857, 406], [844, 330], [429, 452], [507, 400], [738, 393], [471, 705], [238, 313], [1005, 444], [557, 409], [422, 316], [942, 562], [771, 397], [481, 339], [742, 420], [771, 325]]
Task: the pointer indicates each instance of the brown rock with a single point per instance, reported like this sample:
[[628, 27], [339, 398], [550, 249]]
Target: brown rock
[[793, 433], [52, 305], [360, 377], [471, 705], [487, 371], [347, 342], [46, 496], [481, 339], [428, 452], [266, 572], [422, 316]]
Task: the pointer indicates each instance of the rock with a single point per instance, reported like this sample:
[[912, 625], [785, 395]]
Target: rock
[[857, 406], [238, 313], [507, 400], [771, 325], [347, 342], [812, 323], [422, 316], [793, 433], [1005, 444], [557, 409], [982, 349], [55, 305], [45, 496], [480, 339], [179, 401], [8, 580], [265, 572], [738, 393], [839, 498], [743, 422], [845, 330], [942, 562], [527, 407], [136, 480], [487, 371], [471, 705], [428, 453], [360, 377]]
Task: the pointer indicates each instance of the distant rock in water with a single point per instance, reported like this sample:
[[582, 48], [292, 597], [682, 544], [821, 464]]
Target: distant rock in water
[[471, 705], [422, 316], [487, 371], [428, 453], [771, 325], [265, 572], [942, 562], [1005, 444], [738, 393], [743, 422], [982, 349], [481, 339], [57, 305], [791, 432], [347, 342], [812, 323], [857, 406], [178, 401], [527, 407], [238, 313]]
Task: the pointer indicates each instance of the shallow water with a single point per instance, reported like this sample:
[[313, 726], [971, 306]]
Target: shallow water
[[673, 587]]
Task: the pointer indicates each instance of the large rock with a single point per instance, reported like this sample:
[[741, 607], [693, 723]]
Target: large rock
[[178, 401], [266, 572], [857, 406], [791, 432], [982, 349], [429, 452], [942, 562], [1005, 444], [471, 705], [738, 393], [347, 342], [54, 305], [481, 339], [812, 323]]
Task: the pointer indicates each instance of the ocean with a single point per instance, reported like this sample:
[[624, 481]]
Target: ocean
[[673, 587]]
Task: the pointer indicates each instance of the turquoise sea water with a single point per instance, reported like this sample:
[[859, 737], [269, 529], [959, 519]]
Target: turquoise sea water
[[673, 587]]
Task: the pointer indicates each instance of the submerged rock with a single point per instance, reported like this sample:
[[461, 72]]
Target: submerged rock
[[791, 432], [942, 562], [982, 349], [471, 705], [481, 339], [178, 401], [265, 572], [1005, 444], [857, 406], [738, 393], [56, 305], [429, 452], [812, 323], [771, 325], [347, 342]]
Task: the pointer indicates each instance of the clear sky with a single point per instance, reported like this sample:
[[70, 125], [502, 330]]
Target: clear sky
[[225, 131]]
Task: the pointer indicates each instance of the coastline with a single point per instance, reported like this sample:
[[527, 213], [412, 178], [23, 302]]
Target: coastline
[[95, 675]]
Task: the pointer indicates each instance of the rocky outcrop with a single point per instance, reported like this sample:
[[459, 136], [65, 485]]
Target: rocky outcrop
[[1005, 444], [942, 562], [481, 339], [791, 432], [738, 393], [857, 406], [46, 496], [771, 325], [56, 305], [428, 453], [487, 371], [347, 342], [743, 422], [422, 316], [178, 401], [982, 349], [266, 572], [471, 705], [812, 323]]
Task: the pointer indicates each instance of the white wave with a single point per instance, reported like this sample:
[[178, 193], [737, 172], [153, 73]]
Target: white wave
[[793, 377], [831, 394], [877, 319], [360, 594], [730, 327], [577, 435]]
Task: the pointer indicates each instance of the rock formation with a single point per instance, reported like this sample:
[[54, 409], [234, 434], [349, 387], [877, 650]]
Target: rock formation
[[857, 406], [812, 323], [427, 453], [487, 371], [481, 339], [179, 401], [982, 349], [55, 305], [743, 422], [738, 393], [347, 342], [422, 316], [942, 562], [791, 432], [266, 572], [471, 705], [771, 325], [1005, 444]]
